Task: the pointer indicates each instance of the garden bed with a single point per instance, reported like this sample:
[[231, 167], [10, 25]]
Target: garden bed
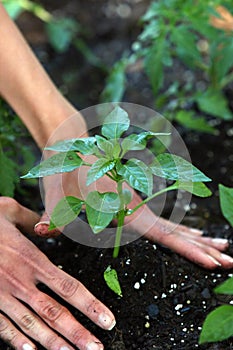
[[165, 297]]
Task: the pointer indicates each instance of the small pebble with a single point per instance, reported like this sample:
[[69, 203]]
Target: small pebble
[[137, 285]]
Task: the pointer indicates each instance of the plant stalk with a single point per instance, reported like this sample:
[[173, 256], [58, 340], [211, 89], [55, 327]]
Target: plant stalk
[[170, 188], [120, 223], [120, 220]]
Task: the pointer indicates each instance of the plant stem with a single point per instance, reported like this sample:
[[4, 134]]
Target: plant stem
[[120, 220], [120, 223], [170, 188]]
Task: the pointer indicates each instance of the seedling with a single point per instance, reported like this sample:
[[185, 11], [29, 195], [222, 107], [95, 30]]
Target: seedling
[[110, 149], [218, 324]]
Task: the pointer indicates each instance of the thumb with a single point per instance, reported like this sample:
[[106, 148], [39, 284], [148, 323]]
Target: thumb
[[42, 227]]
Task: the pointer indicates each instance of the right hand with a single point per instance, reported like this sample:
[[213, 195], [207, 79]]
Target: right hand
[[22, 267]]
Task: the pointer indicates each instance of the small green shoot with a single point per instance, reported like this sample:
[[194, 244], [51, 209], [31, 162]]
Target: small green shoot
[[111, 279], [218, 325]]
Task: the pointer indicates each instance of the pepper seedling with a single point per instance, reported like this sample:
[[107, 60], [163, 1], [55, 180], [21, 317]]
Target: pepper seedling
[[109, 150]]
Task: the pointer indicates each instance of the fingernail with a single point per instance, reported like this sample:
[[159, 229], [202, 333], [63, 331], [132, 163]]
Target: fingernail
[[64, 348], [227, 258], [42, 223], [216, 262], [220, 240], [94, 346], [106, 321], [28, 347]]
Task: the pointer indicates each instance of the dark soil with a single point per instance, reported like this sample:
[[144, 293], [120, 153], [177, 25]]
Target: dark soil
[[165, 298]]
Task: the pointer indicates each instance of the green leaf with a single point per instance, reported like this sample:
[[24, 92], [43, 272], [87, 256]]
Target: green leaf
[[136, 142], [115, 123], [111, 148], [101, 208], [61, 32], [85, 145], [226, 202], [173, 167], [111, 278], [186, 45], [218, 325], [137, 174], [115, 84], [190, 121], [214, 103], [154, 64], [58, 163], [197, 188], [13, 8], [127, 196], [225, 287], [99, 169], [66, 211], [8, 176], [221, 52]]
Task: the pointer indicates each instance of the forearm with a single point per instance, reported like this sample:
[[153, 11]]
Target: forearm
[[29, 90]]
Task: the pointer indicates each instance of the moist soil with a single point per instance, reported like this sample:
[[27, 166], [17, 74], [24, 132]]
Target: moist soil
[[165, 297]]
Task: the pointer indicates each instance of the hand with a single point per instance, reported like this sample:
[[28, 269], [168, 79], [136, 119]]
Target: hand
[[188, 242], [22, 266]]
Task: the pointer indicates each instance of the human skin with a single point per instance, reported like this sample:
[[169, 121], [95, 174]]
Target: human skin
[[31, 93]]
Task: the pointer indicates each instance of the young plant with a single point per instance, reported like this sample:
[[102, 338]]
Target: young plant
[[12, 162], [218, 325], [175, 31], [110, 149]]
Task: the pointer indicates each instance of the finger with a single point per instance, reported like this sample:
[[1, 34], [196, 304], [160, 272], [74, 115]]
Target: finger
[[77, 295], [61, 320], [220, 244], [42, 227], [224, 260], [11, 335], [19, 215], [33, 326]]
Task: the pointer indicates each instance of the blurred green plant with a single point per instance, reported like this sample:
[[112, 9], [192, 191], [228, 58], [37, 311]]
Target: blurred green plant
[[62, 31], [15, 157], [218, 324], [180, 31]]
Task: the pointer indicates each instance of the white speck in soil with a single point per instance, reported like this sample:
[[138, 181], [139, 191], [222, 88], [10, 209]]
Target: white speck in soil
[[127, 262], [178, 306], [143, 281], [163, 296], [154, 246], [51, 241], [137, 285]]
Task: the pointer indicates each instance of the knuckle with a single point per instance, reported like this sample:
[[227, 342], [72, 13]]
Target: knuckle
[[68, 286], [3, 324], [10, 205], [76, 335], [51, 339], [51, 310], [27, 321]]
